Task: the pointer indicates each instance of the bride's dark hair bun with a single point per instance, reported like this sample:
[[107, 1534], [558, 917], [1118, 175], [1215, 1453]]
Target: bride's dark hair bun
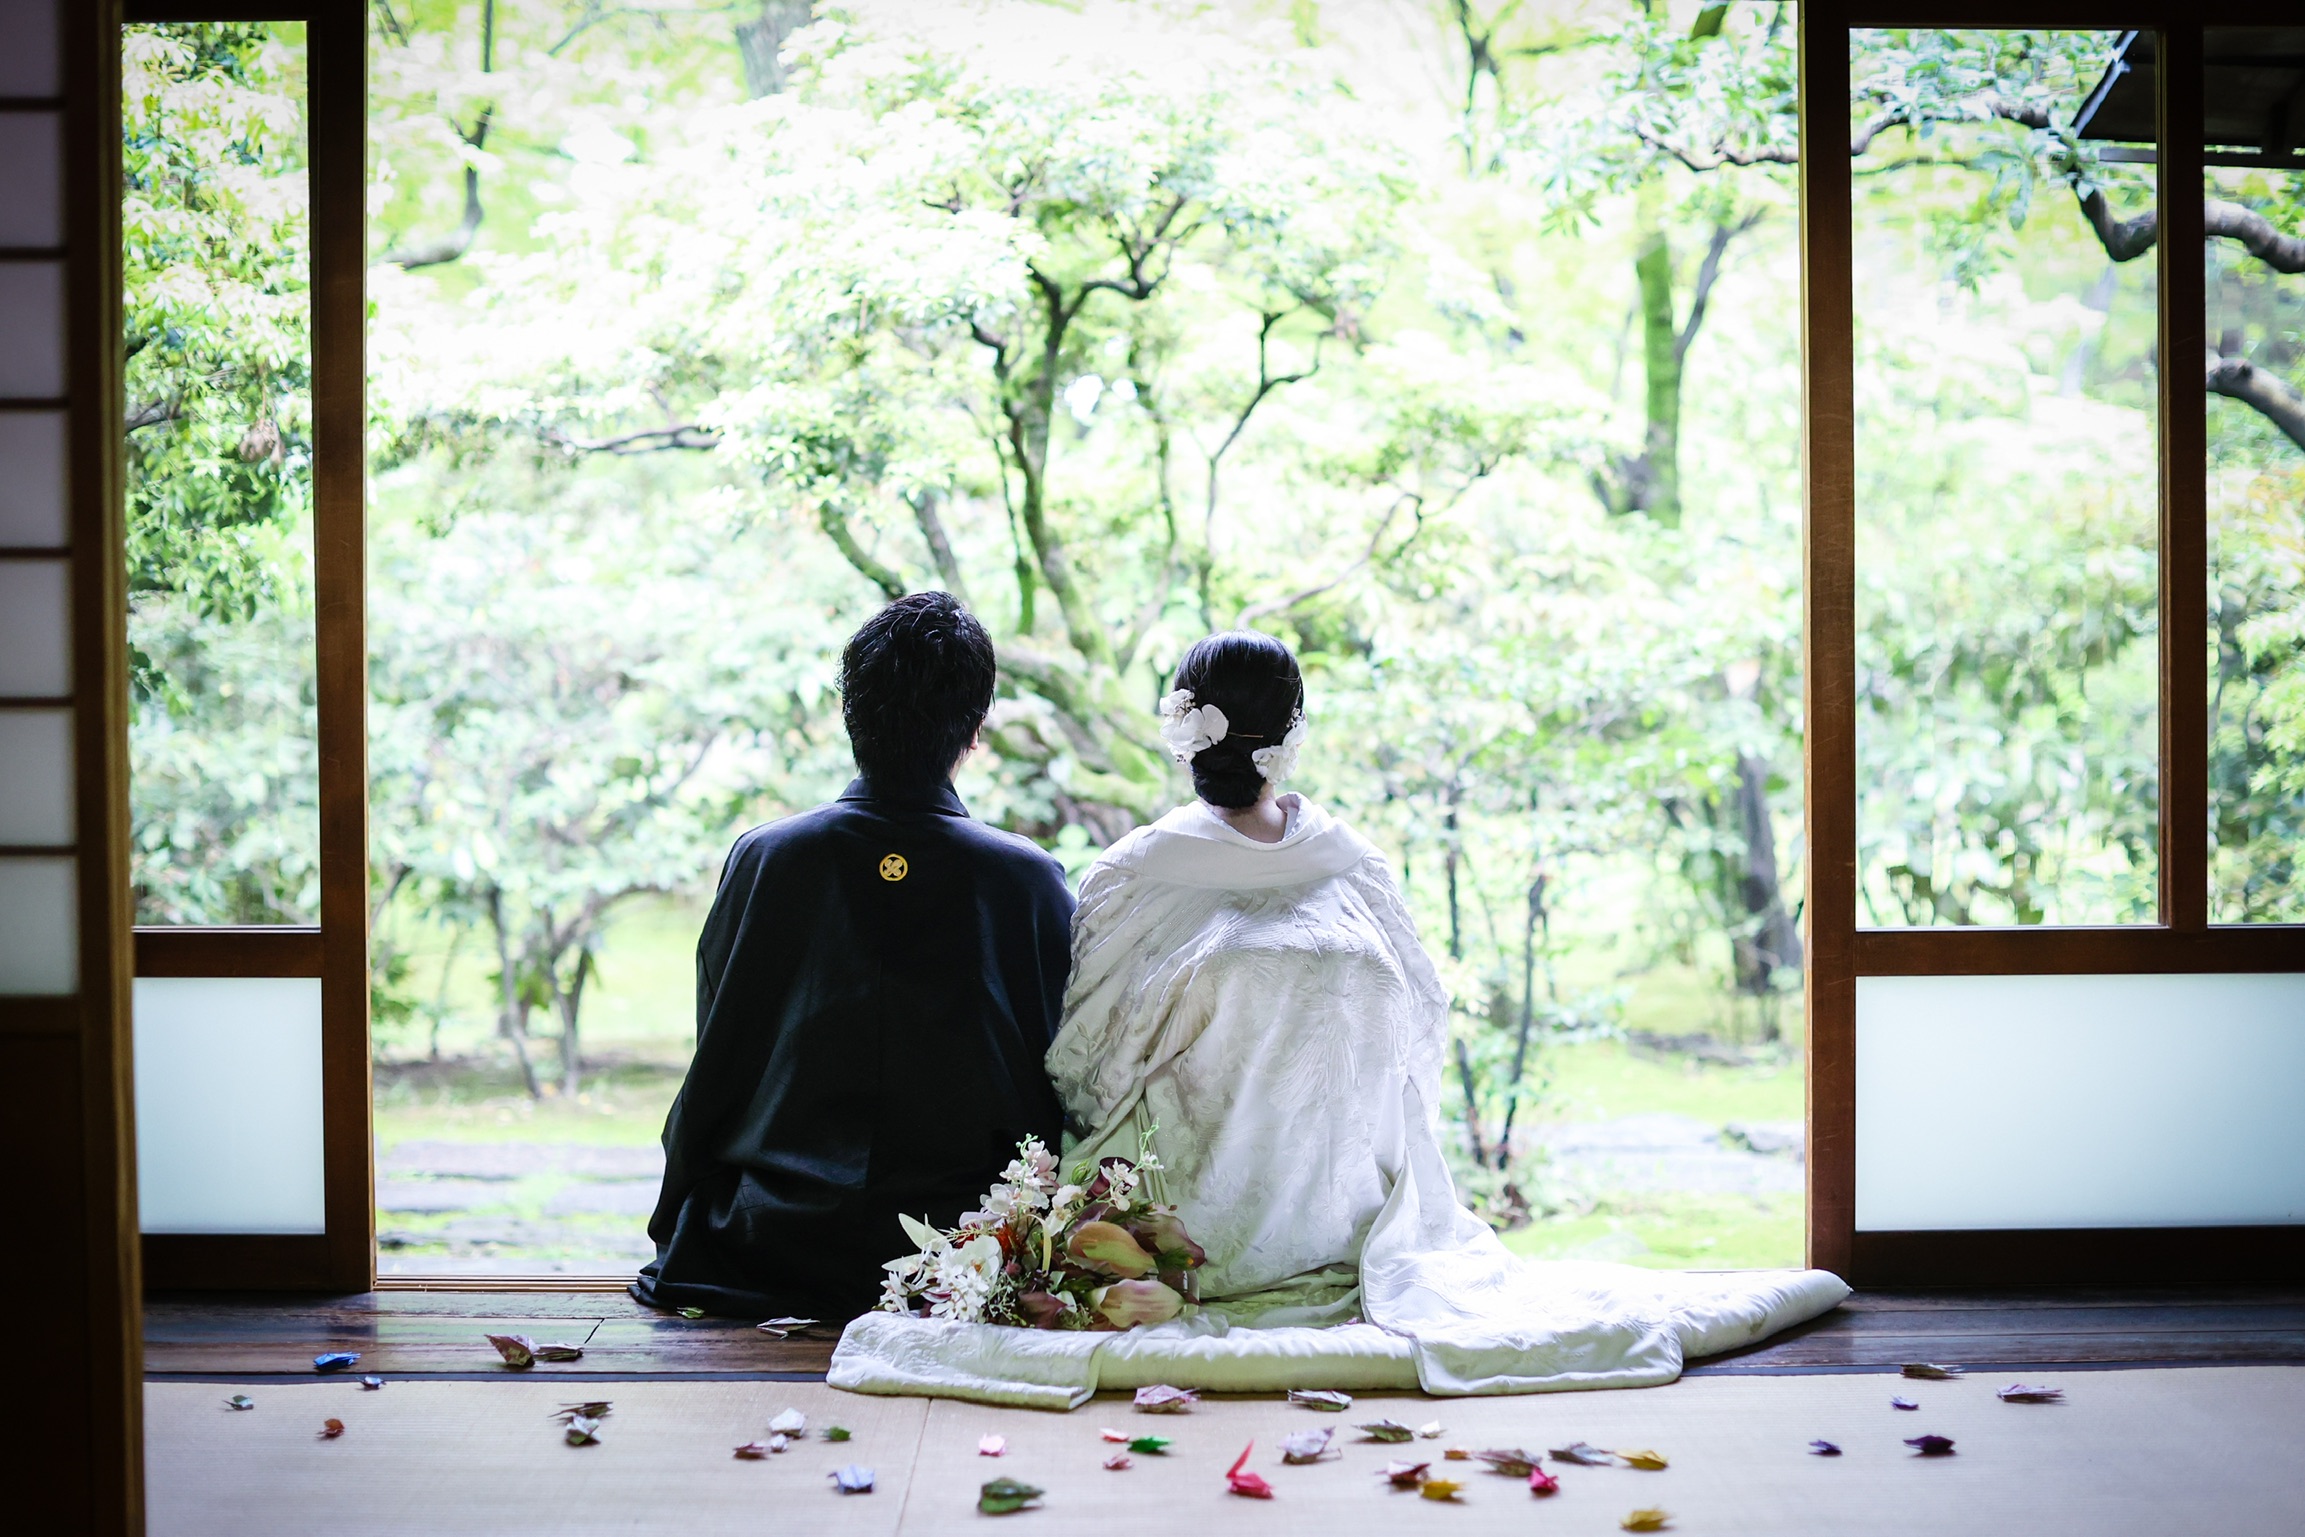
[[1254, 680]]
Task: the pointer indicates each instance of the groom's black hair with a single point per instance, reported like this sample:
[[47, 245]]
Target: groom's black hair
[[915, 683], [1254, 680]]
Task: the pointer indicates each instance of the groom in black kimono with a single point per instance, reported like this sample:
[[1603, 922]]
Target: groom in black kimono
[[875, 988]]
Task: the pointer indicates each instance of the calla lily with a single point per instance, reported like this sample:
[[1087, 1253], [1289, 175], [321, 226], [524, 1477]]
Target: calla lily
[[1041, 1310], [1163, 1233], [1107, 1247], [1125, 1304]]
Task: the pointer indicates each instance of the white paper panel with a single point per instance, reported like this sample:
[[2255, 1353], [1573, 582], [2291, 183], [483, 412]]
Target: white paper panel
[[35, 638], [36, 776], [2095, 1101], [31, 180], [39, 926], [32, 330], [31, 480], [28, 57], [228, 1108]]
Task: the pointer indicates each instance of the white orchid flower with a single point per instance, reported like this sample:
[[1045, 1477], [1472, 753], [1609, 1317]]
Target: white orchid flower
[[1276, 763], [1188, 728]]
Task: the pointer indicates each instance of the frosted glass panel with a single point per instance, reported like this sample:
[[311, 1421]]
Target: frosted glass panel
[[32, 487], [35, 655], [31, 188], [36, 776], [39, 926], [228, 1107], [2096, 1101], [28, 59], [32, 330]]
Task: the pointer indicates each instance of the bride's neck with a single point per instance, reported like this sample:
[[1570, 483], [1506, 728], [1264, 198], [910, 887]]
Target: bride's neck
[[1265, 821]]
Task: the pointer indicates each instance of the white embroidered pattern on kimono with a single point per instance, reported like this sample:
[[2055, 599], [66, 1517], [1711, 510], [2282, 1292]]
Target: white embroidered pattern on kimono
[[1269, 1009], [1267, 1030]]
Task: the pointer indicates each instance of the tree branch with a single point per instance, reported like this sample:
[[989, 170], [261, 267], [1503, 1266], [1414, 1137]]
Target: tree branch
[[153, 412], [835, 524], [1028, 428], [1267, 382], [2123, 239], [2269, 395], [1712, 158], [1257, 611], [648, 440], [1707, 275], [932, 533], [2254, 233], [2128, 239], [456, 242]]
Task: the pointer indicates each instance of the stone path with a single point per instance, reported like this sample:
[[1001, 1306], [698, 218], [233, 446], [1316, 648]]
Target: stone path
[[517, 1207], [541, 1206], [1665, 1152]]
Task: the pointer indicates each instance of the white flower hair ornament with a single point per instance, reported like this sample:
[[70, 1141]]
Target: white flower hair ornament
[[1279, 761], [1186, 727]]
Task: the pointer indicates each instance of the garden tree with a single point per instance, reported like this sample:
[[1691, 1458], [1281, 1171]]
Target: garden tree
[[1718, 101], [1582, 150], [2257, 699], [1492, 39], [2006, 665], [464, 94], [2257, 571], [215, 267], [570, 710], [215, 315], [1724, 98], [969, 302], [760, 38], [1505, 755]]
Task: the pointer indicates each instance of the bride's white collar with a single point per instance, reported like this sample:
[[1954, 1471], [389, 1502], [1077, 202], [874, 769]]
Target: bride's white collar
[[1193, 846], [1289, 804]]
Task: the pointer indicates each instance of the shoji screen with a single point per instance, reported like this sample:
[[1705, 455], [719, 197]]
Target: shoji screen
[[70, 1453]]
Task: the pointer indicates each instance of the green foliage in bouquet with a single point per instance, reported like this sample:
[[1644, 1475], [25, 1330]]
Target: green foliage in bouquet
[[1093, 1252]]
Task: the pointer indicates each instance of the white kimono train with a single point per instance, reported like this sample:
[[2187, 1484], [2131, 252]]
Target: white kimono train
[[1267, 1013]]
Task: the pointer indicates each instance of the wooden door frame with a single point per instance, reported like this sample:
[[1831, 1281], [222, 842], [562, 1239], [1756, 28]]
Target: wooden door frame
[[2183, 940], [336, 949], [1838, 950]]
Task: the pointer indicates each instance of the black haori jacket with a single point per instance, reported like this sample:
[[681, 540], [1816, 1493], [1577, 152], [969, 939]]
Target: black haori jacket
[[876, 987]]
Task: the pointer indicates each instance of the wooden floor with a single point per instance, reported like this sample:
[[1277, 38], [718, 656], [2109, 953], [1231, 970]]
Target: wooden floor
[[438, 1333]]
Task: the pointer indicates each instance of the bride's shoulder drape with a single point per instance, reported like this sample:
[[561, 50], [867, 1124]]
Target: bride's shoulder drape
[[1150, 918]]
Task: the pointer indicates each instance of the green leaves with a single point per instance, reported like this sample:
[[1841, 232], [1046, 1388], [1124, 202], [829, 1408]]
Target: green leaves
[[215, 245], [1005, 1496]]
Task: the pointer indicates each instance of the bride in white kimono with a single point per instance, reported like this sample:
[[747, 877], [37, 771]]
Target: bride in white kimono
[[1248, 991]]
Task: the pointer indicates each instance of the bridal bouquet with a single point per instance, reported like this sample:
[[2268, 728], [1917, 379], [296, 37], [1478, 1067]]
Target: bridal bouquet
[[1045, 1253]]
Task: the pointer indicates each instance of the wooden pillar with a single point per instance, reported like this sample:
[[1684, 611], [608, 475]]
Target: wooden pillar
[[71, 1449]]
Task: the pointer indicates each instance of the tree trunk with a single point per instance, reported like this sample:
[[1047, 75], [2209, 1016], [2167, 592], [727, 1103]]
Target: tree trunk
[[1538, 918], [1656, 488], [439, 1009], [761, 39], [1770, 940], [1479, 1149], [1449, 863], [571, 1044], [512, 1010]]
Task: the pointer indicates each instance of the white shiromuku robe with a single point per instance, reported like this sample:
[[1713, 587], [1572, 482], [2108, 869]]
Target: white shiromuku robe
[[1269, 1009], [1267, 1015]]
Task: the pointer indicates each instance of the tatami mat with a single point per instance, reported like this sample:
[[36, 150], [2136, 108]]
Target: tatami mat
[[2208, 1449]]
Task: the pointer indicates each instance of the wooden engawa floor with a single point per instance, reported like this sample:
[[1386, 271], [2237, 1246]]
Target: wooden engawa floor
[[229, 1337], [2181, 1412]]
